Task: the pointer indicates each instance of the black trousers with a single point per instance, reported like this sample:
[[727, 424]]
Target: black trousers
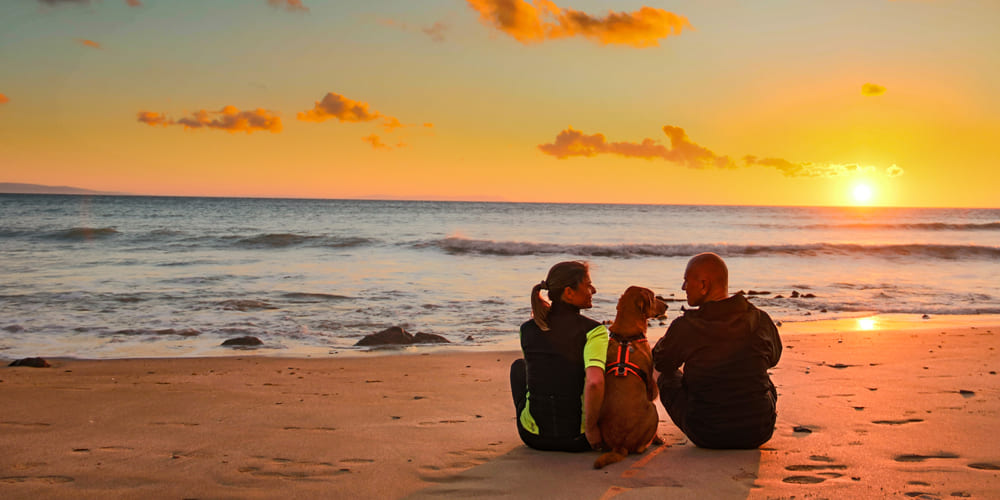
[[519, 391], [750, 434]]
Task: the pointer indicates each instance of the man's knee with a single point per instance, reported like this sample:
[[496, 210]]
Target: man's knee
[[670, 387]]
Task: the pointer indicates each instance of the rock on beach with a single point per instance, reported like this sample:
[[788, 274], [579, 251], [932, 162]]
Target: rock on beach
[[397, 336]]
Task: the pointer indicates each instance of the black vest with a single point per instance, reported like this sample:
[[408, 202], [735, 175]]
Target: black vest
[[556, 370]]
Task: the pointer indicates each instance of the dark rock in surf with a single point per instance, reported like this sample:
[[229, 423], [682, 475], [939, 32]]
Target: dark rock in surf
[[390, 336], [397, 336], [31, 362], [243, 342], [429, 338]]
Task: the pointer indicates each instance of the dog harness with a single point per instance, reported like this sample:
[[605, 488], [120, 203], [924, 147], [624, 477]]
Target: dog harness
[[622, 366]]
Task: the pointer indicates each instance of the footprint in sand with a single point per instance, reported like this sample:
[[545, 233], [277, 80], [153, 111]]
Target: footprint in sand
[[984, 466], [460, 461], [823, 470], [815, 467], [804, 479], [286, 468], [897, 422], [454, 421], [324, 429], [25, 424], [921, 494], [36, 479], [921, 458], [357, 461]]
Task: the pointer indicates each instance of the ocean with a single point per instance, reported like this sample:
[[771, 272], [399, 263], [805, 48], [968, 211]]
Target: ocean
[[133, 276]]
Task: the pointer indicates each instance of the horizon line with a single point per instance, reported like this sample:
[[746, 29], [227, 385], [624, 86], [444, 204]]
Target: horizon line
[[40, 189]]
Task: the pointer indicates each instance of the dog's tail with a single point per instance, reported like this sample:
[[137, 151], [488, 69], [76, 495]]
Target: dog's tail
[[615, 455]]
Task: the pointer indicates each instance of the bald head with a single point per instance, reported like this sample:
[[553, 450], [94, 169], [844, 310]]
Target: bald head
[[706, 279]]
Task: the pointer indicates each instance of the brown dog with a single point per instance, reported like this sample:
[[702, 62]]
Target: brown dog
[[628, 418]]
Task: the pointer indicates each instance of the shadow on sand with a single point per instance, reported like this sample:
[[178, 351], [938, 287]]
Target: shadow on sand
[[678, 470]]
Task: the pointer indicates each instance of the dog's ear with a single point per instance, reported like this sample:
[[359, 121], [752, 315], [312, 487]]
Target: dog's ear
[[644, 301]]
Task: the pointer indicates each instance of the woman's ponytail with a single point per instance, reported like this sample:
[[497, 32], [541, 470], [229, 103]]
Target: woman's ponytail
[[540, 307]]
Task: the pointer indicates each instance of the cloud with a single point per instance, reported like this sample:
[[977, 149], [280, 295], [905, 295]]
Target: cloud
[[347, 110], [391, 124], [436, 31], [339, 107], [376, 142], [130, 3], [229, 118], [153, 118], [89, 43], [572, 142], [57, 2], [289, 5], [683, 151], [544, 20], [4, 99], [807, 169], [870, 89]]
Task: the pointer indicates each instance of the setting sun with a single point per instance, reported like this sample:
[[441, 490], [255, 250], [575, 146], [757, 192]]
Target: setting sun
[[862, 194]]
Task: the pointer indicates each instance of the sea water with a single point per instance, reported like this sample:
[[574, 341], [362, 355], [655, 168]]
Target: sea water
[[121, 276]]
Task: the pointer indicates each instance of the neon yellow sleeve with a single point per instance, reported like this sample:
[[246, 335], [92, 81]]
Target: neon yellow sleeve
[[595, 352]]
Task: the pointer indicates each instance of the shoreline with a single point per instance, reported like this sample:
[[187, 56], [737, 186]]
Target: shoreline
[[907, 412], [193, 348]]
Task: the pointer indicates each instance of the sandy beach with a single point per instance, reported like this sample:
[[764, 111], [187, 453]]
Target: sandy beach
[[861, 414]]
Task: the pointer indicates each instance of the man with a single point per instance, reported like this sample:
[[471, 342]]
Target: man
[[724, 398]]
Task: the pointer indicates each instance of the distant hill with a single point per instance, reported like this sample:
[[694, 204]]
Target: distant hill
[[18, 188]]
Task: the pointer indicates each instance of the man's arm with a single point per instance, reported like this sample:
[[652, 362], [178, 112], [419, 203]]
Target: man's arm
[[668, 354], [593, 398], [772, 337]]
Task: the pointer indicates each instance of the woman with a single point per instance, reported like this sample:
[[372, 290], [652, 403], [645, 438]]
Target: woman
[[558, 386]]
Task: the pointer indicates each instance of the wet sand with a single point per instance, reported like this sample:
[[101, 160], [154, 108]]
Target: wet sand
[[883, 413]]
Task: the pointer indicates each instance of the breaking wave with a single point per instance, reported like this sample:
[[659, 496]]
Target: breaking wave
[[460, 246], [83, 233]]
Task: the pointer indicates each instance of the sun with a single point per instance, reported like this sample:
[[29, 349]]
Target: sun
[[862, 194]]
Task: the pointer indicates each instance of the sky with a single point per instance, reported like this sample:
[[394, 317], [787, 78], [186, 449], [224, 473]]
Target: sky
[[723, 102]]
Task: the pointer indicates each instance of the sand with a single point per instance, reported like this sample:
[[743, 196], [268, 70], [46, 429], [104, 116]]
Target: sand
[[888, 413]]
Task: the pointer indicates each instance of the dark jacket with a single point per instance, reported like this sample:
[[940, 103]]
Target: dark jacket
[[556, 369], [726, 348]]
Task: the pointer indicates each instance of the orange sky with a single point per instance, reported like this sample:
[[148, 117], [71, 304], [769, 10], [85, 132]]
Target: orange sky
[[685, 102]]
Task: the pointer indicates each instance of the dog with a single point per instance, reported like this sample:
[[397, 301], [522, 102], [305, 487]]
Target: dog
[[628, 418]]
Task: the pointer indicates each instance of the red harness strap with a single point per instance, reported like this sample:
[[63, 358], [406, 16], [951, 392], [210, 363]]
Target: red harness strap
[[623, 365]]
